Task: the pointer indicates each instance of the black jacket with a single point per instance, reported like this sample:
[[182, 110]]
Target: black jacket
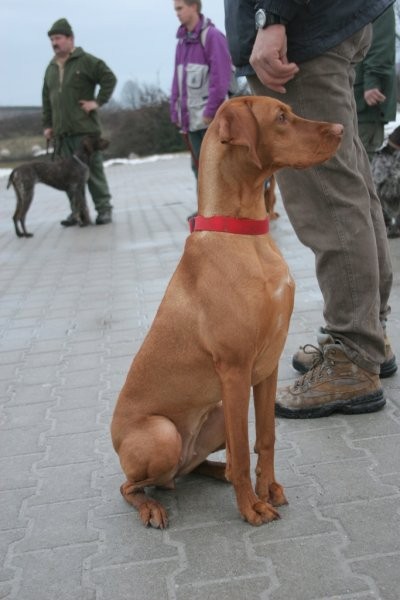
[[314, 26]]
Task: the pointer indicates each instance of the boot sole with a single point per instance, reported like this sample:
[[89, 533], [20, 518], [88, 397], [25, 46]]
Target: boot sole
[[357, 406], [388, 368], [68, 223]]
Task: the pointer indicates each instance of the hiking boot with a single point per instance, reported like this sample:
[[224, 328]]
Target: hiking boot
[[308, 356], [333, 384], [70, 221], [104, 218]]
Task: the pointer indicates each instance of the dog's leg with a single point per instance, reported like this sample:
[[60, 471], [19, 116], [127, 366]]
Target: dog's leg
[[82, 208], [151, 512], [235, 398], [210, 439], [18, 232], [267, 488], [211, 468], [72, 193], [24, 193], [149, 454]]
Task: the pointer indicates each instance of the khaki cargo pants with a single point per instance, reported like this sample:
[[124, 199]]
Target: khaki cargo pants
[[334, 208]]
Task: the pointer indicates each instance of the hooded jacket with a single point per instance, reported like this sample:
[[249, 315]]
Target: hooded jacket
[[314, 26], [82, 73], [202, 75]]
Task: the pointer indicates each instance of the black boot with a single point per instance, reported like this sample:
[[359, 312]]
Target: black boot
[[104, 218], [70, 221]]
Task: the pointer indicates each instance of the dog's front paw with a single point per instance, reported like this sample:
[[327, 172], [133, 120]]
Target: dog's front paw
[[261, 512], [277, 495]]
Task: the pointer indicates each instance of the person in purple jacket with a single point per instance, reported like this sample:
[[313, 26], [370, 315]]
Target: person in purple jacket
[[202, 74]]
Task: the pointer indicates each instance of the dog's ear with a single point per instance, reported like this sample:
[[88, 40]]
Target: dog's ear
[[103, 144], [239, 127], [87, 143]]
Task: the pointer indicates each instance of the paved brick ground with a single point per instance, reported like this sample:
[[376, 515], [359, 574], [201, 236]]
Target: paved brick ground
[[75, 305]]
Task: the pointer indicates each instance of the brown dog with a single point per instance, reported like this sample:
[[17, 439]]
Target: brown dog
[[222, 324], [67, 174]]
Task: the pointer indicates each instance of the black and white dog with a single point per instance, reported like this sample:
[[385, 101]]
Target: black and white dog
[[385, 167]]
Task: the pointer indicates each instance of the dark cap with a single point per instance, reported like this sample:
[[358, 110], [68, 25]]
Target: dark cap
[[61, 27]]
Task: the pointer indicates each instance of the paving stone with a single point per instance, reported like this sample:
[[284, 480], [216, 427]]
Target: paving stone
[[333, 480], [15, 442], [386, 452], [310, 567], [385, 572], [65, 482], [215, 551], [17, 471], [135, 581], [54, 573], [57, 524], [371, 526]]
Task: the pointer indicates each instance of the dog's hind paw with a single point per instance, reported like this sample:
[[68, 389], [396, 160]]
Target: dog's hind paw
[[153, 514]]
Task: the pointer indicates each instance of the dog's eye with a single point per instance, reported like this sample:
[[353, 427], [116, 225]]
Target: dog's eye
[[282, 118]]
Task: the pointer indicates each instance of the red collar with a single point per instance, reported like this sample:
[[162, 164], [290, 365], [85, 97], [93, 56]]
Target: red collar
[[229, 225]]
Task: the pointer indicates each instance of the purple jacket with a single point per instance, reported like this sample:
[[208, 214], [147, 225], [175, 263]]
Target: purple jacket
[[202, 75]]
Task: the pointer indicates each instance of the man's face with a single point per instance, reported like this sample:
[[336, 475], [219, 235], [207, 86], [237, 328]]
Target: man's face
[[61, 44], [187, 15]]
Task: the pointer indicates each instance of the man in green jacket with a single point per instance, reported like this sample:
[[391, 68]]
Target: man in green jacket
[[375, 83], [70, 108]]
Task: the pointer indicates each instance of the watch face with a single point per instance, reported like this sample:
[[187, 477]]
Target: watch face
[[261, 18]]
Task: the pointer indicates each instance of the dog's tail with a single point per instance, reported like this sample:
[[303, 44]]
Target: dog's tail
[[10, 179]]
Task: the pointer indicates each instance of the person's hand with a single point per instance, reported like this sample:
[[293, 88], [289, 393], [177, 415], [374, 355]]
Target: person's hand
[[48, 133], [373, 97], [207, 120], [88, 105], [269, 58]]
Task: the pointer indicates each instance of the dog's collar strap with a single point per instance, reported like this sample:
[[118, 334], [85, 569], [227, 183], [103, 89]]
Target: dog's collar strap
[[229, 225]]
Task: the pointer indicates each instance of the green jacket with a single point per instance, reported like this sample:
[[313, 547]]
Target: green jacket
[[378, 70], [82, 73]]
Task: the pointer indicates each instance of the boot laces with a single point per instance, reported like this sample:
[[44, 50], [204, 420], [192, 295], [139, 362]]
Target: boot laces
[[311, 349], [322, 365]]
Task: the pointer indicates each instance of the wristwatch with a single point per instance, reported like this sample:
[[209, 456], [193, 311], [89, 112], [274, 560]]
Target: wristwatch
[[264, 18]]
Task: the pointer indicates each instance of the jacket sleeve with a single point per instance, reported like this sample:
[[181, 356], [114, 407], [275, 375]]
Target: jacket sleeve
[[47, 120], [107, 81], [240, 26], [173, 109], [377, 70], [284, 8], [379, 62], [220, 70]]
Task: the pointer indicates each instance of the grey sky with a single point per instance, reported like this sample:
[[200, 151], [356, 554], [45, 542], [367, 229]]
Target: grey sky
[[136, 38]]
